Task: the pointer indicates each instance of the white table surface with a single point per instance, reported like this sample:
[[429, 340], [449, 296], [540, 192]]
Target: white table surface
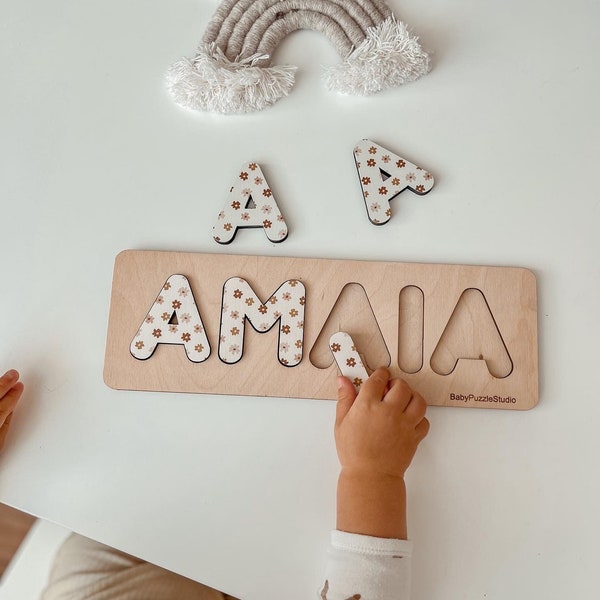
[[238, 492]]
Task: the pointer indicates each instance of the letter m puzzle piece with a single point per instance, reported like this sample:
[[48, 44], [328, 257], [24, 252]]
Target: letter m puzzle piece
[[383, 175]]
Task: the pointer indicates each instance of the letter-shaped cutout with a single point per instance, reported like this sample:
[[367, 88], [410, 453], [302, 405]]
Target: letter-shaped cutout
[[348, 359], [383, 175], [174, 319], [250, 204], [241, 303], [472, 333]]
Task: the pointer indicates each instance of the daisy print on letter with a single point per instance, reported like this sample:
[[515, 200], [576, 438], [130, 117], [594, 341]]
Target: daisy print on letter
[[347, 359], [174, 319], [285, 307], [250, 204], [383, 175]]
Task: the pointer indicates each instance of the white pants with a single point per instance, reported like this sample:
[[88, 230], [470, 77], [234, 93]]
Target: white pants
[[86, 570]]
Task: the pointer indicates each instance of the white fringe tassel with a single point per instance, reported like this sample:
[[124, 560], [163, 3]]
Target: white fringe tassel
[[388, 57], [211, 82]]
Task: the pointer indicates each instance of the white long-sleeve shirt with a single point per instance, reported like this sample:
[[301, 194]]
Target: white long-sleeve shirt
[[370, 568]]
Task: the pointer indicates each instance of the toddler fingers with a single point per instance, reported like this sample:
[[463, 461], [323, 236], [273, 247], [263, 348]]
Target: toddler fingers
[[399, 394], [373, 389], [416, 408], [422, 429], [346, 395], [7, 381], [4, 431], [9, 401]]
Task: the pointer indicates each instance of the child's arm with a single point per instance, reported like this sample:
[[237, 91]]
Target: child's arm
[[376, 434], [10, 392]]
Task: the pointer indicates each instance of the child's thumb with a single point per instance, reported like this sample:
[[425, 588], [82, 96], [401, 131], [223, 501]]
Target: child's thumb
[[346, 395]]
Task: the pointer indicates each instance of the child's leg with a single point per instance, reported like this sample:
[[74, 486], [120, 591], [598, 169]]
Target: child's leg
[[85, 569]]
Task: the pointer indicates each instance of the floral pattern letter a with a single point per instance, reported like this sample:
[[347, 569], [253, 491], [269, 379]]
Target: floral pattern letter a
[[173, 319]]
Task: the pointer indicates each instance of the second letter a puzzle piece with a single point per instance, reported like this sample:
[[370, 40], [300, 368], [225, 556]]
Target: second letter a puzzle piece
[[383, 175]]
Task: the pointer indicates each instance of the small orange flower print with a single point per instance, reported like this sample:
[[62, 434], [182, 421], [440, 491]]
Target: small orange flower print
[[366, 194], [267, 193], [186, 337], [351, 362], [302, 300], [183, 291], [400, 164], [222, 215], [139, 345], [243, 176], [235, 331], [267, 224], [198, 347], [285, 329], [371, 162], [266, 209], [280, 218], [273, 299], [366, 180], [238, 293], [410, 177], [262, 309], [300, 325], [234, 314], [286, 296], [258, 181], [298, 344], [395, 181], [234, 349], [285, 361], [374, 207], [386, 158], [285, 347], [357, 150], [293, 282], [252, 166], [335, 347], [357, 381], [250, 301], [227, 226], [149, 319], [176, 304], [372, 150], [167, 286], [186, 317], [420, 188], [388, 212], [160, 300], [383, 190], [428, 176], [297, 357], [156, 333], [293, 312], [165, 316], [235, 205], [198, 329], [276, 315], [173, 328], [245, 216]]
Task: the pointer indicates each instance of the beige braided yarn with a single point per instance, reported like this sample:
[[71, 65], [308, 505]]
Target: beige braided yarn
[[231, 72]]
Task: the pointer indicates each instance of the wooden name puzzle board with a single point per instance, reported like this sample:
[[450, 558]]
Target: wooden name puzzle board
[[261, 326]]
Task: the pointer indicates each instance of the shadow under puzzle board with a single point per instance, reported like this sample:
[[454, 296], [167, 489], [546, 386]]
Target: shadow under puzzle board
[[443, 328]]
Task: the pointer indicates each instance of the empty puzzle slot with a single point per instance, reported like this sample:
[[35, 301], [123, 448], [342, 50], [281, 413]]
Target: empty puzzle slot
[[472, 334], [410, 329], [352, 312]]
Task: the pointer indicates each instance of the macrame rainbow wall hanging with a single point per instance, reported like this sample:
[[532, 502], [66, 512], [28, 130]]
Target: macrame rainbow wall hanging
[[232, 72]]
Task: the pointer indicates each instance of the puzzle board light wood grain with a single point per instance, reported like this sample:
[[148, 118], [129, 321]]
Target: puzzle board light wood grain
[[460, 335]]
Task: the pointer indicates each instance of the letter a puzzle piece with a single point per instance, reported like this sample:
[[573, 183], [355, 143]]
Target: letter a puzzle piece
[[173, 319], [383, 175], [347, 359], [250, 204]]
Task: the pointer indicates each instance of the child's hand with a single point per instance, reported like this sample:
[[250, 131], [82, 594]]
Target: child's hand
[[10, 392], [376, 434]]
